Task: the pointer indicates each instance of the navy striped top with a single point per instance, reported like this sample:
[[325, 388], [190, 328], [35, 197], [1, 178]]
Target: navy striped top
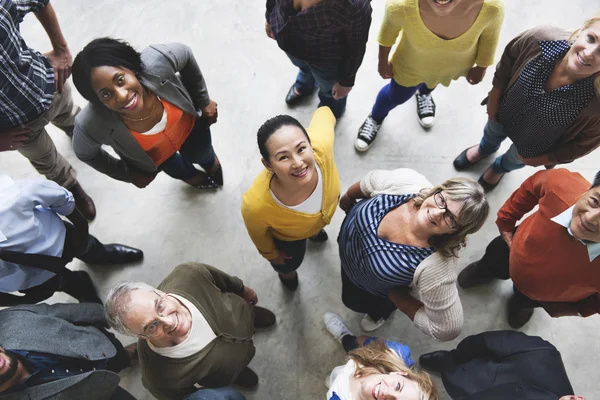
[[372, 263]]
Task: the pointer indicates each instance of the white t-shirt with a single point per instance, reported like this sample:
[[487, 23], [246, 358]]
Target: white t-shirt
[[159, 127], [313, 204], [200, 336], [339, 382]]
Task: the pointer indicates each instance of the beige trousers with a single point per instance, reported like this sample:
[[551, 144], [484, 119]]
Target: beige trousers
[[39, 149]]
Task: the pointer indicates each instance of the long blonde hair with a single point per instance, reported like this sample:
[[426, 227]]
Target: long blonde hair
[[594, 18], [377, 358]]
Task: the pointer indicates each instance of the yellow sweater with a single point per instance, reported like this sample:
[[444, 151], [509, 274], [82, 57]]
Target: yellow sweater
[[422, 56], [265, 219]]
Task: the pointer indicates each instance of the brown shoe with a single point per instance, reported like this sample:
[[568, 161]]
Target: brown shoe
[[263, 317], [247, 378], [472, 276], [83, 202]]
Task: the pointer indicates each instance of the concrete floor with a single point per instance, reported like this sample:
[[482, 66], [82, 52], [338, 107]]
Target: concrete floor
[[249, 76]]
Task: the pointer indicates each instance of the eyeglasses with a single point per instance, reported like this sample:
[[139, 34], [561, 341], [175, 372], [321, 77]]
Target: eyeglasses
[[152, 329], [440, 202]]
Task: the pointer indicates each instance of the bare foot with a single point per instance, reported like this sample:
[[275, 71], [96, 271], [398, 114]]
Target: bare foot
[[492, 177], [473, 154]]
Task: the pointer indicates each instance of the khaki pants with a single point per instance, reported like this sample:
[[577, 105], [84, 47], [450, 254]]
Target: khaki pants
[[39, 149]]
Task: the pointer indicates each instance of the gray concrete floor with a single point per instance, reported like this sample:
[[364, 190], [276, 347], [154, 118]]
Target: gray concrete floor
[[249, 76]]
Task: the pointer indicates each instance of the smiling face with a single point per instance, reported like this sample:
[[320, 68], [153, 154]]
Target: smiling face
[[118, 89], [585, 224], [431, 218], [291, 157], [158, 317], [583, 59], [443, 7], [393, 386], [9, 364]]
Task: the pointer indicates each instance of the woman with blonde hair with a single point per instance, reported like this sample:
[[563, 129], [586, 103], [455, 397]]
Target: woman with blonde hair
[[405, 234], [545, 98], [375, 369]]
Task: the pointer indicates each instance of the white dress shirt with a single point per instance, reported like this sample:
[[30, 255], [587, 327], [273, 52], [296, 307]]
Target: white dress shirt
[[564, 219], [29, 223]]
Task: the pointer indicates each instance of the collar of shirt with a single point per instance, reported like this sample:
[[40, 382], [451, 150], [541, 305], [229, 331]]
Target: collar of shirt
[[564, 219]]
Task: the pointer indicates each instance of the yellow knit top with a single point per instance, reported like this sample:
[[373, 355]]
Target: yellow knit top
[[422, 56], [265, 219]]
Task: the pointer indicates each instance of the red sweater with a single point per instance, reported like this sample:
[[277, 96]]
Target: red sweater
[[547, 263]]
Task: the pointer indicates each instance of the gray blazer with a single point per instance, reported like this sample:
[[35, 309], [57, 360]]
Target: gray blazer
[[68, 330], [171, 71]]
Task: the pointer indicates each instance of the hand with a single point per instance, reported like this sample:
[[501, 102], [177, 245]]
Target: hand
[[347, 202], [281, 258], [269, 31], [250, 296], [386, 71], [476, 75], [13, 138], [210, 112], [493, 104], [535, 161], [507, 237], [61, 61], [339, 91], [142, 179]]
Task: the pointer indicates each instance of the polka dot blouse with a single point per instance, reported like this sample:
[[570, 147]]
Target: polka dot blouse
[[535, 119]]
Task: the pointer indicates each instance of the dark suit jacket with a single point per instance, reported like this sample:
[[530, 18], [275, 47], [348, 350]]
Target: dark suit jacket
[[507, 364], [68, 330]]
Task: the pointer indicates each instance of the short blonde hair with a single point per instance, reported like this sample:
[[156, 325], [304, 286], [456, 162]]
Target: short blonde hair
[[377, 358], [472, 214], [594, 18]]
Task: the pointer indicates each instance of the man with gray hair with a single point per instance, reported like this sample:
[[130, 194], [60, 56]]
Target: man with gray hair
[[195, 330]]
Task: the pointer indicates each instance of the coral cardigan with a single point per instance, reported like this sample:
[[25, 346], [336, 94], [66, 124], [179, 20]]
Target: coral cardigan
[[265, 219]]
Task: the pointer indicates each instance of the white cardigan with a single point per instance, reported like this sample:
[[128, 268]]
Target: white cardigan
[[441, 316]]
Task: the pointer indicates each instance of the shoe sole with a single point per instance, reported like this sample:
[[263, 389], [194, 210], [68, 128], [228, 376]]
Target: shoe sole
[[425, 125], [362, 150]]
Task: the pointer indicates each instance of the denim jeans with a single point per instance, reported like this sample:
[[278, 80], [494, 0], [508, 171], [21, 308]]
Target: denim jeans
[[224, 393], [310, 76], [392, 95], [196, 149], [493, 136]]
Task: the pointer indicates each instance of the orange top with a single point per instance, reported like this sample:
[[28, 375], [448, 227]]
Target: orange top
[[162, 145]]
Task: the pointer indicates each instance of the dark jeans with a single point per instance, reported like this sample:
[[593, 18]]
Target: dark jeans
[[295, 249], [391, 96], [196, 149], [495, 264], [224, 393], [310, 76], [68, 281], [361, 301]]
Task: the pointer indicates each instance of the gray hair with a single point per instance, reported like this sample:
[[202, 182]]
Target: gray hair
[[116, 305]]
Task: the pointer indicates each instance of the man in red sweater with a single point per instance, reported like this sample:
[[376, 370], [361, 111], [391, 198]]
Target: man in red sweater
[[553, 256]]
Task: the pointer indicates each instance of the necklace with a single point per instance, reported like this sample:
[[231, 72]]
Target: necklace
[[144, 118]]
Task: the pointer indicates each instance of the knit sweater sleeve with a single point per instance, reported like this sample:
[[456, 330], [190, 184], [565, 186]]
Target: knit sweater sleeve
[[396, 182], [441, 316], [257, 226], [488, 41], [391, 26]]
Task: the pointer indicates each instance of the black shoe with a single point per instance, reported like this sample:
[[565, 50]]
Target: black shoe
[[293, 98], [116, 254], [263, 318], [425, 110], [472, 276], [437, 361], [79, 285], [550, 166], [488, 187], [319, 237], [291, 284], [517, 314], [217, 176], [247, 378], [83, 202], [462, 162]]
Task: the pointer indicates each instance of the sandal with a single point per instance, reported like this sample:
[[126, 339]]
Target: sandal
[[217, 176], [201, 181]]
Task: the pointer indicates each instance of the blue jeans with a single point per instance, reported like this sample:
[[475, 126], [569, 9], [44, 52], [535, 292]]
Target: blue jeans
[[391, 96], [493, 136], [196, 149], [224, 393], [310, 76]]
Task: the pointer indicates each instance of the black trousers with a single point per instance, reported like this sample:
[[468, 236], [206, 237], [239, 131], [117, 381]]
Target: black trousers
[[361, 301], [295, 249], [495, 264], [72, 283]]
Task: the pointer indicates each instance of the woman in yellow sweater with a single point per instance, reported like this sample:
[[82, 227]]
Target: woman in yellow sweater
[[439, 41], [296, 195]]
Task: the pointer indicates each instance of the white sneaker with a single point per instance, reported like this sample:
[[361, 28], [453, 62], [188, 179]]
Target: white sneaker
[[368, 325], [425, 110], [335, 326], [366, 134]]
